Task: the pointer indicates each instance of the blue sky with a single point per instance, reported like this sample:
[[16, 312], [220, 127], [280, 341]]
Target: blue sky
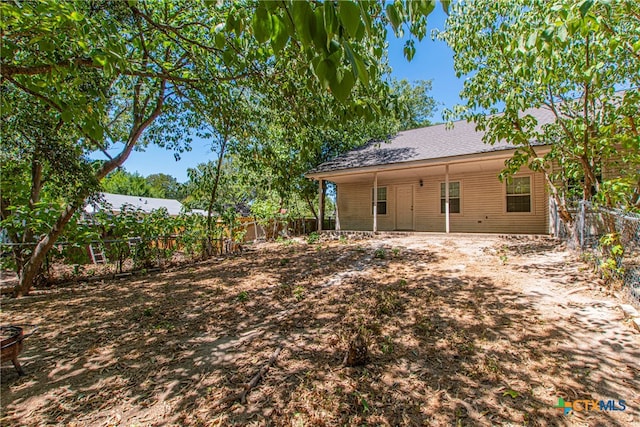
[[433, 60]]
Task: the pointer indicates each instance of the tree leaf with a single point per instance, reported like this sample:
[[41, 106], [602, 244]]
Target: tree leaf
[[427, 6], [531, 40], [394, 17], [319, 35], [409, 49], [365, 16], [75, 16], [261, 24], [357, 64], [445, 5], [512, 393], [100, 59], [562, 33], [66, 115], [330, 19], [350, 17], [325, 72], [279, 33], [341, 89], [547, 34], [219, 40], [585, 6], [302, 16]]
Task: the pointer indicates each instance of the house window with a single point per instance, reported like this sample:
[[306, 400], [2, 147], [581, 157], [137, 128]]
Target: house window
[[382, 201], [454, 197], [519, 194]]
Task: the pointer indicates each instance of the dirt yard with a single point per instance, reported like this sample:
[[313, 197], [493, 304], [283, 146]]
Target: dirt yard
[[462, 330]]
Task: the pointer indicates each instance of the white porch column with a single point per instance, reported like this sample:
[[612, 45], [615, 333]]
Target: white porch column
[[446, 198], [337, 211], [375, 202], [320, 204]]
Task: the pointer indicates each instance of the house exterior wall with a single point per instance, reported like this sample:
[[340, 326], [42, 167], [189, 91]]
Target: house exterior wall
[[614, 168], [482, 205]]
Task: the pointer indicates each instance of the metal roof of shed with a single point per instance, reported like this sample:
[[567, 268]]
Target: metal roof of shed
[[146, 204]]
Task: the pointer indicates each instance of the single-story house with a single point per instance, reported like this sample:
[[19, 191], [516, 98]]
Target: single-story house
[[145, 204], [439, 179]]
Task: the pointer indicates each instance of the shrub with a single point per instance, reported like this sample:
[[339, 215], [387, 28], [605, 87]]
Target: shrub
[[313, 238]]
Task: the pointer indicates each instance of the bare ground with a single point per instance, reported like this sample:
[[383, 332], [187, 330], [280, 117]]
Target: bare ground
[[462, 330]]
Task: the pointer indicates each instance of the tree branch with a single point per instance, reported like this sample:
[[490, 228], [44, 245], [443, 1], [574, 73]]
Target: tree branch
[[138, 128], [166, 29], [35, 94], [625, 43]]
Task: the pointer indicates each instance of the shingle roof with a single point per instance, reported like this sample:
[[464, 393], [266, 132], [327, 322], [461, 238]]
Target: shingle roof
[[427, 143], [146, 204]]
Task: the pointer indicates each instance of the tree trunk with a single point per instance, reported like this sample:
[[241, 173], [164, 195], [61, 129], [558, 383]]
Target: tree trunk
[[615, 242], [312, 208], [214, 190], [32, 267]]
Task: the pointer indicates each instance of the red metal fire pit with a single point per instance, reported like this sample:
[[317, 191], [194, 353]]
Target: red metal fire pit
[[11, 344]]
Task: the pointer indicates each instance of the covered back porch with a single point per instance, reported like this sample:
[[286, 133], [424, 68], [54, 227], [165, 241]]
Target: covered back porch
[[461, 195]]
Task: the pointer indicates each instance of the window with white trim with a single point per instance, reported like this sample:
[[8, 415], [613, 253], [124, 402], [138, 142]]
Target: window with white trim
[[519, 194], [382, 201], [454, 197]]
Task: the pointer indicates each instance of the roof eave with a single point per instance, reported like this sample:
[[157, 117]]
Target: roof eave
[[422, 163]]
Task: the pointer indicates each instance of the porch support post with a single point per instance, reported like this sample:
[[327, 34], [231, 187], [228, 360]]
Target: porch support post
[[337, 211], [320, 204], [446, 198], [375, 202]]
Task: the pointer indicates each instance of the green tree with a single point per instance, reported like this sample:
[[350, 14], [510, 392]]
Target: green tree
[[166, 186], [132, 184], [235, 188], [271, 142], [288, 142], [571, 58], [120, 74], [51, 52], [228, 123], [415, 102], [40, 168], [285, 147]]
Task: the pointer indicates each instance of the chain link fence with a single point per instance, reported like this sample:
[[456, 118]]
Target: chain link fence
[[609, 238]]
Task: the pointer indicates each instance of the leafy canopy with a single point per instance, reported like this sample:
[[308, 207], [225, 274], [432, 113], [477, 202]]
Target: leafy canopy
[[578, 60], [120, 75]]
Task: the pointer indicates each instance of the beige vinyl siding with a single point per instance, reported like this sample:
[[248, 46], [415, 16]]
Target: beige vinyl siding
[[613, 168], [355, 204], [482, 201]]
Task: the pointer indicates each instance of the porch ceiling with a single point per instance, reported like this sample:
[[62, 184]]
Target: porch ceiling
[[419, 172]]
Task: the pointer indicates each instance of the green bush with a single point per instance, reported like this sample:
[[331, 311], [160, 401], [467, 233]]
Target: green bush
[[313, 237]]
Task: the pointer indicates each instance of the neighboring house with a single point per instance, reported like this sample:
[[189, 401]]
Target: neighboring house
[[401, 185], [145, 204]]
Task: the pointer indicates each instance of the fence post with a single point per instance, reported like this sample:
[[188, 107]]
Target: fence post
[[582, 223], [556, 220]]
